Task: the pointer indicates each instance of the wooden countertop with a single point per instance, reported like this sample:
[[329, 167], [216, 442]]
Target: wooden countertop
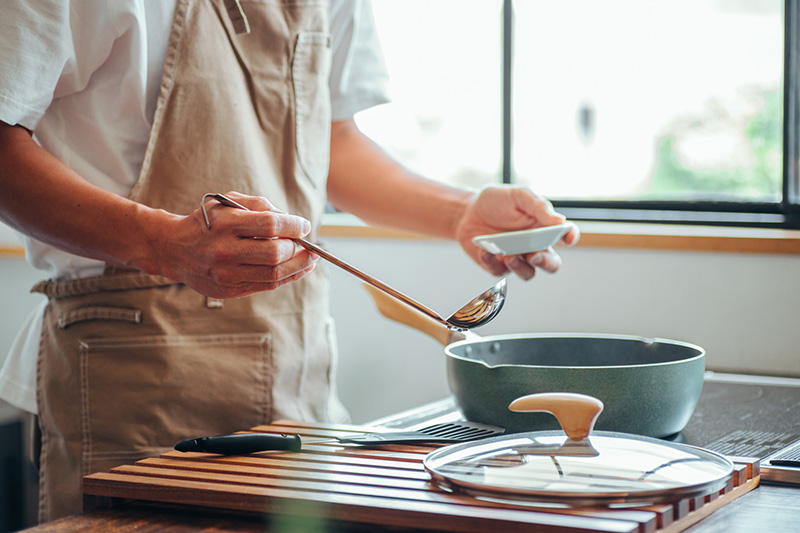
[[330, 486], [767, 508], [744, 505]]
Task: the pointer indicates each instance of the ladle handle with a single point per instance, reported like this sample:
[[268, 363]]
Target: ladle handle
[[372, 282], [394, 310], [576, 413], [224, 200]]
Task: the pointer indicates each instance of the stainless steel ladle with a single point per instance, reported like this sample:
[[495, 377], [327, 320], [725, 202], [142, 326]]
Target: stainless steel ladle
[[477, 312]]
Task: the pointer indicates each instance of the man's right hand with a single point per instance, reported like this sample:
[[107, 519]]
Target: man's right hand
[[243, 252]]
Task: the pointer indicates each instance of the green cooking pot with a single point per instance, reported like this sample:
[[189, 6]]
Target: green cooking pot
[[648, 386]]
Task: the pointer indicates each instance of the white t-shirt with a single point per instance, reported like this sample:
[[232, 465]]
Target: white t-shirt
[[85, 77]]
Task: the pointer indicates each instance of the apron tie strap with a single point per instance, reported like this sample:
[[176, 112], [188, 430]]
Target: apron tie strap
[[57, 289], [237, 16]]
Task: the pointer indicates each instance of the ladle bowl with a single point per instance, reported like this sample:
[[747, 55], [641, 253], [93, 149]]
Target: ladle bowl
[[480, 309]]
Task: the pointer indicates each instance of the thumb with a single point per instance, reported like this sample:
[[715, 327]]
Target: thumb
[[536, 207], [253, 203]]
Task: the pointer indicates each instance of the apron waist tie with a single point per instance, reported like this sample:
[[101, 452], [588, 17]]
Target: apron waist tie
[[238, 17], [55, 289]]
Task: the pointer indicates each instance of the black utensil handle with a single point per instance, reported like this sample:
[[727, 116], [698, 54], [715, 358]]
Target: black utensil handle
[[241, 443]]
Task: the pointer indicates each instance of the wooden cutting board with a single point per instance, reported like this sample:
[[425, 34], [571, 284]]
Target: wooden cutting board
[[332, 483]]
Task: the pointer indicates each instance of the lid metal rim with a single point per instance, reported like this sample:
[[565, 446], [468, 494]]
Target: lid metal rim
[[654, 496], [579, 498]]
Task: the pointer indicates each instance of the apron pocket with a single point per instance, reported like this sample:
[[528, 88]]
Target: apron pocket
[[310, 68], [142, 395]]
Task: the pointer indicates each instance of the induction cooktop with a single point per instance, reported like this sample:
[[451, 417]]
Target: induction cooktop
[[750, 416], [737, 416]]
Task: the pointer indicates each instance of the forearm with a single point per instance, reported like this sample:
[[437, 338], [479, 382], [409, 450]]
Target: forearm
[[366, 182], [46, 200]]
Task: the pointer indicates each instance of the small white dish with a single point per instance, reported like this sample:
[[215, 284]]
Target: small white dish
[[523, 242]]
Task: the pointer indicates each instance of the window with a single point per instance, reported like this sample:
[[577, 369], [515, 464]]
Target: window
[[677, 111], [445, 62]]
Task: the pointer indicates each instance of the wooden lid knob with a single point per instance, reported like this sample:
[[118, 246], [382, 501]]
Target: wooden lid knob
[[576, 413]]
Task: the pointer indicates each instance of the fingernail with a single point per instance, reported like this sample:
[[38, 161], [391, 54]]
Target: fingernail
[[537, 260], [306, 227], [575, 237]]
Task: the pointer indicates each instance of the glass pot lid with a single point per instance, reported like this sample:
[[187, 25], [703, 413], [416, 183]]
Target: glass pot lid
[[577, 467]]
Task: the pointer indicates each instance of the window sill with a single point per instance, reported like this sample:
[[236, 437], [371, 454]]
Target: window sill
[[12, 251], [594, 235], [622, 235]]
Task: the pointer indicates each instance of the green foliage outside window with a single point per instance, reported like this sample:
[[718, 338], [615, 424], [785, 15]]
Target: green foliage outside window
[[754, 169]]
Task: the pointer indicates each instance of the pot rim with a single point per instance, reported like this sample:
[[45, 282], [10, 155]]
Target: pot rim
[[562, 335]]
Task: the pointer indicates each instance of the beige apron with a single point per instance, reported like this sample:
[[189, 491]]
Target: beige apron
[[130, 364]]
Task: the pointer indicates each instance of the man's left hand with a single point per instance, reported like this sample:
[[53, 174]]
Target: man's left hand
[[497, 209]]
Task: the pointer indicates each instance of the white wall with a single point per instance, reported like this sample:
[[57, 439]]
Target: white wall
[[743, 309]]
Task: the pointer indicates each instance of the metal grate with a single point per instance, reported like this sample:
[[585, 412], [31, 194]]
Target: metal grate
[[788, 457], [462, 431]]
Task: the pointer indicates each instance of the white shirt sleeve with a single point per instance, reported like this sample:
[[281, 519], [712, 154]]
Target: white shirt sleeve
[[39, 54], [358, 77], [60, 56], [18, 372]]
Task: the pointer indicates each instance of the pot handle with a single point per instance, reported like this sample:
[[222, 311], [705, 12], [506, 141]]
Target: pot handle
[[576, 413], [395, 310]]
